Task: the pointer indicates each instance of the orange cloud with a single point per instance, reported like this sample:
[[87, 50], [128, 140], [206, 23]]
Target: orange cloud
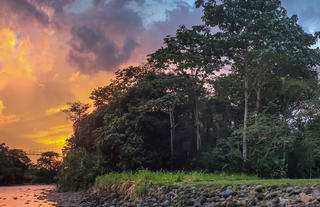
[[54, 136], [6, 119], [56, 110]]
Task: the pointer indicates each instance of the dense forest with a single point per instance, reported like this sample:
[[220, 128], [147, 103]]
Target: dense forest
[[239, 93]]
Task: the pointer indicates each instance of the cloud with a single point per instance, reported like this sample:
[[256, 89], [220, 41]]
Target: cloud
[[6, 119], [26, 10], [307, 11], [92, 49], [104, 36], [55, 110]]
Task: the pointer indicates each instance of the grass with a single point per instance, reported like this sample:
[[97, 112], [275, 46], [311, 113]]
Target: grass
[[136, 183]]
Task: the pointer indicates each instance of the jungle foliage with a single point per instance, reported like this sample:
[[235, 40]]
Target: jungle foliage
[[243, 99]]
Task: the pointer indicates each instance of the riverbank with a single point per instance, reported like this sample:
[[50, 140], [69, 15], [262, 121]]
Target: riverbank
[[164, 189], [197, 196]]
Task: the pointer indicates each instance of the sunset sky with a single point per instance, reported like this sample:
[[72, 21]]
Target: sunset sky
[[56, 51]]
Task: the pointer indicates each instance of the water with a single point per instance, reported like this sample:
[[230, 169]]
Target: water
[[26, 195]]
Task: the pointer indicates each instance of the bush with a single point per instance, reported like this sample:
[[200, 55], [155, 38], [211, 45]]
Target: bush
[[79, 170]]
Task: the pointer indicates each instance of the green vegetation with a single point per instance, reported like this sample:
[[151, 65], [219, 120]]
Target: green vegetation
[[167, 178], [136, 183], [14, 164], [180, 111], [78, 170], [17, 168]]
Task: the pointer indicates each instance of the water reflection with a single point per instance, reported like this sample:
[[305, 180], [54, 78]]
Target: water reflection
[[27, 195]]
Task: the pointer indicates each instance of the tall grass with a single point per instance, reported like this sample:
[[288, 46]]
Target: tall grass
[[136, 183]]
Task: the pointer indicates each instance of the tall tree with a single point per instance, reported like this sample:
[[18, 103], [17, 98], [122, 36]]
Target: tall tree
[[194, 55], [258, 32], [76, 112]]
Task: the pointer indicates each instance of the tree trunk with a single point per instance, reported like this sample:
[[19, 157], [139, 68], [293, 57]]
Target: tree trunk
[[197, 123], [258, 102], [245, 117], [258, 97], [172, 128]]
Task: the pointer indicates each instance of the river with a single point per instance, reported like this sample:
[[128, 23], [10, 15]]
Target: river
[[26, 195]]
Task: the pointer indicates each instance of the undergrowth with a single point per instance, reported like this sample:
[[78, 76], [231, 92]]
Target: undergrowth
[[135, 184]]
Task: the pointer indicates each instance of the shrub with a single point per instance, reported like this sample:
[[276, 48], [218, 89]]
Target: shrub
[[79, 170]]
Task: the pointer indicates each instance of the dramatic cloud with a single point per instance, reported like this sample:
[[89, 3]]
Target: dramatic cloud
[[104, 36], [26, 10]]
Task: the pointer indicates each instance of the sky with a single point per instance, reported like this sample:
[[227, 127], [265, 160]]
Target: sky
[[57, 51]]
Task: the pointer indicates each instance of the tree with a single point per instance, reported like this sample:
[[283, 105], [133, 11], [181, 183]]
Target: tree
[[76, 111], [194, 55], [14, 164], [48, 164], [170, 95], [258, 32]]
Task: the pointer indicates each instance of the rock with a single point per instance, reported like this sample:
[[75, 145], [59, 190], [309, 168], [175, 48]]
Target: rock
[[260, 196], [316, 195], [197, 204], [243, 187], [271, 204], [203, 200], [273, 194], [307, 190], [190, 202], [258, 188], [289, 189], [227, 193], [273, 187], [305, 198], [165, 203], [276, 200], [212, 204], [253, 202], [283, 202]]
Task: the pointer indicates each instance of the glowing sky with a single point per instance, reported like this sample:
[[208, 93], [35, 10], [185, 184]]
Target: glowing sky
[[56, 51]]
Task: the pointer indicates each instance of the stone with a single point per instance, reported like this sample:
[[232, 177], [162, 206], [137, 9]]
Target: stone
[[273, 187], [203, 200], [227, 193], [289, 189], [197, 204], [243, 187], [283, 202], [165, 203], [316, 195], [305, 198], [190, 202], [273, 194], [276, 200], [307, 190], [212, 204], [270, 204], [260, 196], [258, 188]]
